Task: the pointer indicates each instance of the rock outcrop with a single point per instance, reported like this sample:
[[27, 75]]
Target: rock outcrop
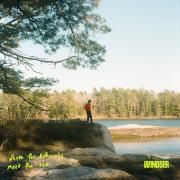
[[98, 163], [84, 135], [93, 159], [104, 140], [55, 135], [77, 173]]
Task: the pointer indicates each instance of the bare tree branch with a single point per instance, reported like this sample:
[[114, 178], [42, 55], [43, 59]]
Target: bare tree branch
[[18, 56]]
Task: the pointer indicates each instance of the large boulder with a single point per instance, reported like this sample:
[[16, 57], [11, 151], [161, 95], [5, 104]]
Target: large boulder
[[56, 136], [103, 140], [79, 134]]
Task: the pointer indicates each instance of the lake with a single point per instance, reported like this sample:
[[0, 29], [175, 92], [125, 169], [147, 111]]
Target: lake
[[160, 146], [165, 147], [151, 122]]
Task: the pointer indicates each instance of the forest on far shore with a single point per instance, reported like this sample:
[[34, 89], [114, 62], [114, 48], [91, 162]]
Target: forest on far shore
[[114, 103]]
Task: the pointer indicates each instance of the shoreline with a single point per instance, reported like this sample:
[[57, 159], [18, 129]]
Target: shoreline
[[137, 118], [143, 133]]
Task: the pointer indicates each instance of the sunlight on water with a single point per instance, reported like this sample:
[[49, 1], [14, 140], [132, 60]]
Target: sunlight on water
[[147, 122], [163, 146], [166, 146]]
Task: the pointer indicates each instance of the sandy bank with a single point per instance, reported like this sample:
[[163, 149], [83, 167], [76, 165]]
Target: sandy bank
[[143, 132]]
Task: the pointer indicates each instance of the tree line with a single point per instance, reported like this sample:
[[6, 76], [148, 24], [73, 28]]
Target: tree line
[[116, 102]]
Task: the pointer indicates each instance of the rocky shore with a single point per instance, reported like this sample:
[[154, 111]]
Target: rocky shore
[[98, 162]]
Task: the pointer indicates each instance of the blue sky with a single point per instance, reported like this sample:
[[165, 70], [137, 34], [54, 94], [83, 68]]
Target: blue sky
[[143, 49]]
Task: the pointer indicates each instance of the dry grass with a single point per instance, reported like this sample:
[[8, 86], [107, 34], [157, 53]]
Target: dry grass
[[36, 134], [144, 133]]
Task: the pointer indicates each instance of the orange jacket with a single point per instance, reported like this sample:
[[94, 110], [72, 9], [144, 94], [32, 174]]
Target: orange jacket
[[87, 107]]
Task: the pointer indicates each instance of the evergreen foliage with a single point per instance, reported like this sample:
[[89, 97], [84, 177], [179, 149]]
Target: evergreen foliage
[[119, 103], [54, 24]]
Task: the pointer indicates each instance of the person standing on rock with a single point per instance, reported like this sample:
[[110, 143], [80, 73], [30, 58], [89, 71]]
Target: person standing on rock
[[87, 108]]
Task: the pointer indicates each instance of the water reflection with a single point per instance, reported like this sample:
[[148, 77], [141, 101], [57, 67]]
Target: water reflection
[[157, 122], [166, 146]]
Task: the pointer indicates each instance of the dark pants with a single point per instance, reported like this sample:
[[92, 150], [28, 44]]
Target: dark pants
[[89, 116]]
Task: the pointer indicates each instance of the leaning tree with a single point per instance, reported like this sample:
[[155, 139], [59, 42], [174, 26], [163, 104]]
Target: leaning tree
[[54, 24]]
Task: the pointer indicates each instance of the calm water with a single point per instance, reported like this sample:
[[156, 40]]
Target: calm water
[[165, 146], [159, 122]]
